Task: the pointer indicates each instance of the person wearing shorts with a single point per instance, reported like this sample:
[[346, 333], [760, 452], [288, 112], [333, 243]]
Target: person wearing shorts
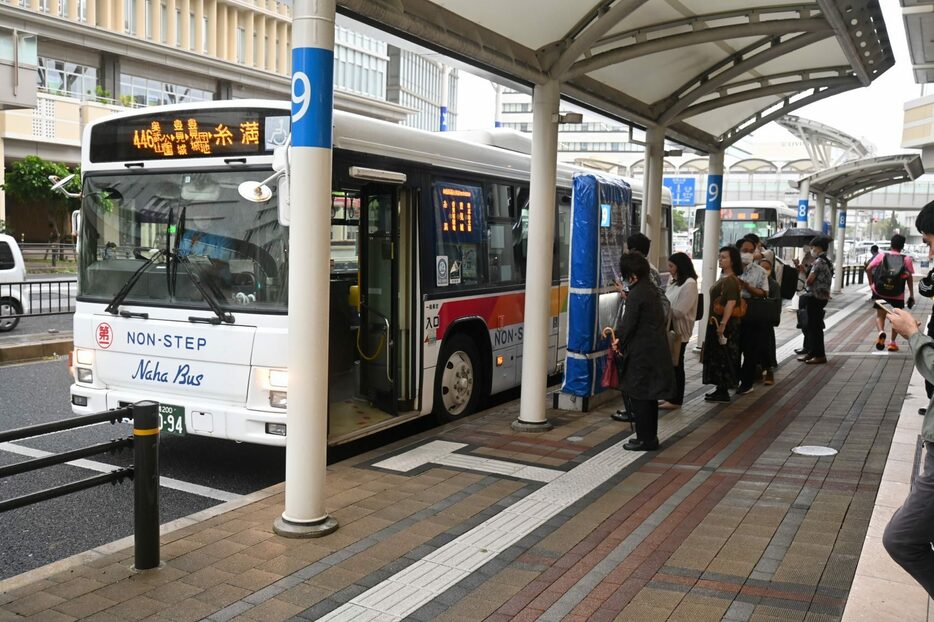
[[898, 301]]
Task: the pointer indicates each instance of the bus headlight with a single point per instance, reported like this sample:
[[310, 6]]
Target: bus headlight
[[84, 357], [84, 375], [279, 378], [278, 399]]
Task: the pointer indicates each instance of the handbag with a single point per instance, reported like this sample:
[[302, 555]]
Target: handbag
[[763, 311], [738, 310], [610, 377]]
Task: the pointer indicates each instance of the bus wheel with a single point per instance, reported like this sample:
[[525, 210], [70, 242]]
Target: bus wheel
[[457, 379], [8, 307]]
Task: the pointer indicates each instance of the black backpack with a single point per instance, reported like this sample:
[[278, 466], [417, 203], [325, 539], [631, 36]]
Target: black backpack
[[888, 276]]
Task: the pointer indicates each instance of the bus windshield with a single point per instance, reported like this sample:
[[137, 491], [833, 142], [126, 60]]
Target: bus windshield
[[235, 248]]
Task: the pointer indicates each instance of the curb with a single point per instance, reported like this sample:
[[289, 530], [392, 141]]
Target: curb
[[34, 351]]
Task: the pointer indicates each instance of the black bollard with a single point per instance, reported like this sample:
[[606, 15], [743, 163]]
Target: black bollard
[[146, 484]]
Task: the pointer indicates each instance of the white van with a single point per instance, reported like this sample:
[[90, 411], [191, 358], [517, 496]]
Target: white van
[[14, 299]]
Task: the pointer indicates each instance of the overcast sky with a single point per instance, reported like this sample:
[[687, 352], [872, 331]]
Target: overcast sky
[[874, 113]]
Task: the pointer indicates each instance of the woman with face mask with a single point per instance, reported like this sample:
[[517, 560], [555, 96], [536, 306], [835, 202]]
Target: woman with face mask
[[646, 372]]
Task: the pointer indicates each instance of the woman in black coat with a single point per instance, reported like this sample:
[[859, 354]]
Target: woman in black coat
[[646, 371]]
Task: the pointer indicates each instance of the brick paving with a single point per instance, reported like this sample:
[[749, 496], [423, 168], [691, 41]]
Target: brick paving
[[724, 522]]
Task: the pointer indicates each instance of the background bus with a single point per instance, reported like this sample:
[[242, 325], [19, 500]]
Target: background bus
[[738, 218], [429, 243]]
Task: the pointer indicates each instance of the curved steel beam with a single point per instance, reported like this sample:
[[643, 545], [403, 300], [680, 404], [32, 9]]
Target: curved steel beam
[[579, 41], [765, 91], [740, 130], [752, 15], [709, 35], [833, 16], [707, 85]]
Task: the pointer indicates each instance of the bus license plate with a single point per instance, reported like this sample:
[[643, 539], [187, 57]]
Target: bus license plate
[[172, 419]]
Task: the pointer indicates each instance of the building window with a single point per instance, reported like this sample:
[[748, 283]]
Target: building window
[[148, 19], [241, 45], [204, 34], [178, 28], [59, 77], [146, 92], [191, 31], [163, 21]]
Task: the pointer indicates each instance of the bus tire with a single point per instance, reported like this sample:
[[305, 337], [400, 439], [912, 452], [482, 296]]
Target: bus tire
[[8, 307], [458, 379]]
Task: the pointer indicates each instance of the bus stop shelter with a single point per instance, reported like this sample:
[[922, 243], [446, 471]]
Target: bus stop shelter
[[843, 183], [702, 73]]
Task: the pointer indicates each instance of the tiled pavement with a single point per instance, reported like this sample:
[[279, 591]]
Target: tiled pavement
[[724, 522]]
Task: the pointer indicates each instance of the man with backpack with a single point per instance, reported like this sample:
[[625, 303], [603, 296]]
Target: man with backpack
[[888, 274]]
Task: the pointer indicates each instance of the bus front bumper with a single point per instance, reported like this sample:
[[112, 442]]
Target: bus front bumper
[[225, 421]]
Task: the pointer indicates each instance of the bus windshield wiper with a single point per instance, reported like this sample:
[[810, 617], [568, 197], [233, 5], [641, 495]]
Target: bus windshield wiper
[[114, 307], [211, 299]]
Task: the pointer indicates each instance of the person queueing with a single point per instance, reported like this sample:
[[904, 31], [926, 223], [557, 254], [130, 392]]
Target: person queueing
[[646, 372], [721, 340], [815, 298], [682, 293], [888, 274], [803, 267], [770, 363], [754, 282]]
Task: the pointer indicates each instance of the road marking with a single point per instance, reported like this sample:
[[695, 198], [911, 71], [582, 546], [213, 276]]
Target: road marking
[[103, 467], [442, 452]]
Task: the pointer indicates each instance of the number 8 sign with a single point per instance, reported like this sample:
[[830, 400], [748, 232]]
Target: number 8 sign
[[312, 97]]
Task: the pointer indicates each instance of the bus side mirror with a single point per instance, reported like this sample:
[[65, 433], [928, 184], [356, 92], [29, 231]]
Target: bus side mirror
[[75, 221], [281, 163]]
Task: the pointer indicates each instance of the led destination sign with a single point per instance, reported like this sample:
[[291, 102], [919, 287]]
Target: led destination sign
[[203, 133]]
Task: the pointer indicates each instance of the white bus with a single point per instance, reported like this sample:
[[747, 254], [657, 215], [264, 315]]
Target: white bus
[[183, 284]]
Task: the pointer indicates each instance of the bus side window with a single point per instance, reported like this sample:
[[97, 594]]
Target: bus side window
[[520, 231], [563, 237], [635, 222], [502, 215]]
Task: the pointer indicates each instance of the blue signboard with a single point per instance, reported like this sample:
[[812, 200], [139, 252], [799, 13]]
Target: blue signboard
[[312, 97], [842, 222], [682, 190], [714, 192], [802, 212]]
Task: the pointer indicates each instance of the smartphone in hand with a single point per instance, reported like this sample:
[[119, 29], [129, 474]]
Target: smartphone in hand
[[885, 306]]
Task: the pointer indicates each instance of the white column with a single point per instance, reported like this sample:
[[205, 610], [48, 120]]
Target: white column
[[309, 277], [498, 105], [838, 247], [803, 196], [155, 21], [171, 32], [214, 29], [2, 193], [139, 23], [91, 12], [545, 100], [651, 224], [184, 34], [711, 235], [71, 10], [283, 66], [819, 213]]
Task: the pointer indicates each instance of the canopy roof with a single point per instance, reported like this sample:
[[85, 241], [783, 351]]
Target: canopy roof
[[710, 71], [820, 140], [855, 178], [919, 21]]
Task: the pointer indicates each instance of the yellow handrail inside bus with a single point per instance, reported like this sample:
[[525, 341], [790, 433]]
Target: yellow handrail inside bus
[[379, 348]]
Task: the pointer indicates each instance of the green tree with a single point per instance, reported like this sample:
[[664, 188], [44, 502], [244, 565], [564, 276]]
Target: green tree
[[28, 181], [679, 220]]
